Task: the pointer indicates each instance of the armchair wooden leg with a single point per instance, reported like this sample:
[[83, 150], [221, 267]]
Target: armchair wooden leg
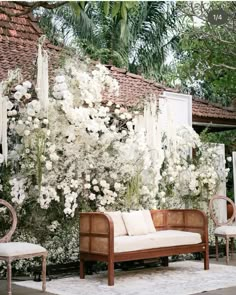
[[81, 266], [217, 251], [9, 277], [110, 273], [44, 272], [227, 250]]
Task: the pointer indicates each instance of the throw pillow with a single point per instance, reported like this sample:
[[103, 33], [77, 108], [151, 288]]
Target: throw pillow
[[135, 223], [148, 220], [119, 226]]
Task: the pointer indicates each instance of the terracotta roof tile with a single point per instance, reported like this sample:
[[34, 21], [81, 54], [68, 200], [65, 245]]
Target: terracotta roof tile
[[134, 88], [18, 48], [18, 42]]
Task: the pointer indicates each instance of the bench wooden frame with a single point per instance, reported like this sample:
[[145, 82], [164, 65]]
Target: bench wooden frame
[[97, 238]]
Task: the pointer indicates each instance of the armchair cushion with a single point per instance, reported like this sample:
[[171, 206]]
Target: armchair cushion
[[18, 248], [226, 230]]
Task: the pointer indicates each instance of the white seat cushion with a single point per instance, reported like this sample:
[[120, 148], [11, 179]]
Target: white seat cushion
[[18, 248], [159, 239], [226, 230]]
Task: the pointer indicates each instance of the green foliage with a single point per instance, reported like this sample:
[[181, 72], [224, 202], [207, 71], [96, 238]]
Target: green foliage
[[131, 34], [206, 61], [133, 191], [228, 138]]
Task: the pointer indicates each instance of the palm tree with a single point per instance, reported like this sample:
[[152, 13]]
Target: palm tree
[[139, 40]]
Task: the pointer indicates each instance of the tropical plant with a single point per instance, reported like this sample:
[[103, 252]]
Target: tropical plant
[[138, 40], [206, 53]]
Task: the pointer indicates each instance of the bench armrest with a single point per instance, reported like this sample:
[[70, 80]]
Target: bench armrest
[[96, 233], [192, 220]]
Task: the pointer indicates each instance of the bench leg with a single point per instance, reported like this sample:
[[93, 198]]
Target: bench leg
[[206, 258], [165, 261], [81, 266], [110, 273]]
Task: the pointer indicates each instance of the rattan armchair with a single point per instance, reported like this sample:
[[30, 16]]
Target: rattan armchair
[[226, 230], [10, 251]]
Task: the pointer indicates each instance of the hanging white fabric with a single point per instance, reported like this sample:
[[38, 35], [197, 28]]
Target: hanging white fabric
[[42, 76], [3, 124]]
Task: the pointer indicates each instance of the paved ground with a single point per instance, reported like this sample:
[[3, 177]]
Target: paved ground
[[17, 290]]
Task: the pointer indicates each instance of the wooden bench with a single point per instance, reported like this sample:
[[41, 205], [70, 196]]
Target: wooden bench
[[97, 242]]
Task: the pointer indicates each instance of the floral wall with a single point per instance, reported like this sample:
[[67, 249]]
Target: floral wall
[[84, 154]]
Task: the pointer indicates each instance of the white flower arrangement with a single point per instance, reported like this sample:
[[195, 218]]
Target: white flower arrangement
[[87, 155]]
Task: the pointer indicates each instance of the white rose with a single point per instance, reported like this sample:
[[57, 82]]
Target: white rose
[[87, 177], [27, 132], [27, 84], [117, 186], [18, 95], [92, 196], [60, 79], [94, 181], [48, 165], [54, 157], [96, 188], [87, 185], [27, 95], [103, 183], [122, 116], [109, 103], [229, 159], [10, 105], [45, 121]]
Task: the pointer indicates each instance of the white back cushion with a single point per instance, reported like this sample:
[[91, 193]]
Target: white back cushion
[[135, 223], [119, 226], [149, 222]]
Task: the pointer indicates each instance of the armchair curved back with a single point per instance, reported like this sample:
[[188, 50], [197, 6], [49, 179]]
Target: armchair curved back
[[211, 209], [8, 235]]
